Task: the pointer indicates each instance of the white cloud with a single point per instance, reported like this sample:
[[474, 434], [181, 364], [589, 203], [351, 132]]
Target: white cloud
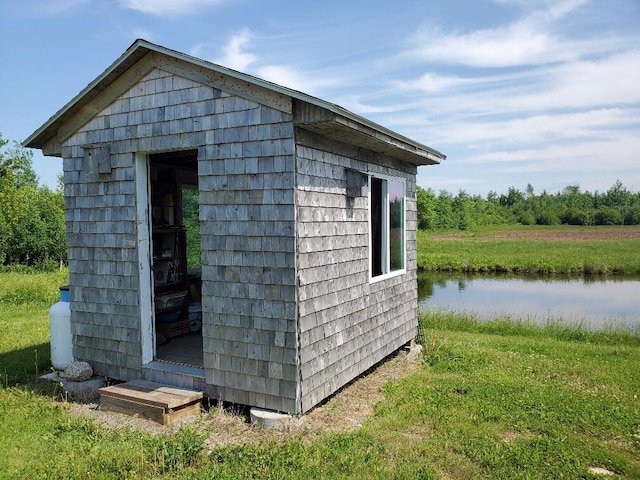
[[516, 44], [283, 75], [168, 7], [290, 77], [534, 39], [606, 158], [612, 80], [594, 165], [238, 56], [619, 151], [573, 122], [558, 9], [434, 82], [554, 91], [543, 128], [553, 9], [356, 104], [234, 55]]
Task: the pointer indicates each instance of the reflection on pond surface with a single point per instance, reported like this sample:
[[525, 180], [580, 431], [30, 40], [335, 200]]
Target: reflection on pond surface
[[595, 302]]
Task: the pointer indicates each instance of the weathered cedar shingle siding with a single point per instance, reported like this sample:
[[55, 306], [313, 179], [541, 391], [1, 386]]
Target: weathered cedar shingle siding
[[248, 274], [346, 323], [247, 215]]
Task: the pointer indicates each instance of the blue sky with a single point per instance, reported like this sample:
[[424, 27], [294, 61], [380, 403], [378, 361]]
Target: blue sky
[[513, 91]]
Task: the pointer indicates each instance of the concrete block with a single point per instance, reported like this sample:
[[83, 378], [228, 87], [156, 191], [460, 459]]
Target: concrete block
[[271, 420], [85, 391]]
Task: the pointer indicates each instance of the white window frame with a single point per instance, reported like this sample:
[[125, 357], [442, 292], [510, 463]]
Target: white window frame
[[385, 247]]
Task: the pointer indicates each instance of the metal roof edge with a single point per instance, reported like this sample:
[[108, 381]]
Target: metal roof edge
[[29, 141], [332, 107], [38, 138]]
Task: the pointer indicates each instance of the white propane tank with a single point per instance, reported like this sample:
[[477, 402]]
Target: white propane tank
[[60, 329]]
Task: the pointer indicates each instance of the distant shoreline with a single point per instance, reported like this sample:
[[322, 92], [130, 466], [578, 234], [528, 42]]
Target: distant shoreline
[[546, 250]]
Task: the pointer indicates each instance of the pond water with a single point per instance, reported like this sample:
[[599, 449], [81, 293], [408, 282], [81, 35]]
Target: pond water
[[592, 302]]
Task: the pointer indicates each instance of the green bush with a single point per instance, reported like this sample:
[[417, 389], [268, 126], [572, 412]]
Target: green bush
[[575, 216], [547, 218], [632, 215], [608, 216], [526, 218]]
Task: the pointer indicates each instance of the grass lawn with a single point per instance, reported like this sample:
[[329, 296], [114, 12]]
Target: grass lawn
[[25, 300], [533, 249], [510, 400], [498, 400]]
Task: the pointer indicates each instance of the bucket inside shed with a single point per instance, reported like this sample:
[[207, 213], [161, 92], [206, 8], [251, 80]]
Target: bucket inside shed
[[195, 318]]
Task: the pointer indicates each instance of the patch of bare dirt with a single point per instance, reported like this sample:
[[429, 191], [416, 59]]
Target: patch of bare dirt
[[511, 436], [344, 411], [570, 234], [601, 471]]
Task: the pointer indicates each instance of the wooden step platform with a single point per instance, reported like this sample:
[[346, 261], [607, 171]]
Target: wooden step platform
[[151, 400]]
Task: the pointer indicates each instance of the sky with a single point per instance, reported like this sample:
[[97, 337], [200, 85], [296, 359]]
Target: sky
[[513, 92]]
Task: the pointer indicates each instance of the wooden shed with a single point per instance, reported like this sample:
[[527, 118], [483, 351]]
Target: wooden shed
[[295, 274]]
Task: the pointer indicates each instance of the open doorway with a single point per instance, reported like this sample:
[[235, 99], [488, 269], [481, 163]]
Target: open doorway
[[175, 257]]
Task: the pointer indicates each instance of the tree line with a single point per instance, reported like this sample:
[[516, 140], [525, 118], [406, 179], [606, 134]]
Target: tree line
[[32, 224], [32, 220], [571, 206]]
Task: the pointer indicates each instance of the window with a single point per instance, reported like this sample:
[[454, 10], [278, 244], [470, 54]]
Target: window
[[386, 203]]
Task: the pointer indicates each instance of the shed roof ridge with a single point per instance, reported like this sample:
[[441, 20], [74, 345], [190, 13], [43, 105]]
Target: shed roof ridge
[[141, 47], [297, 94]]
